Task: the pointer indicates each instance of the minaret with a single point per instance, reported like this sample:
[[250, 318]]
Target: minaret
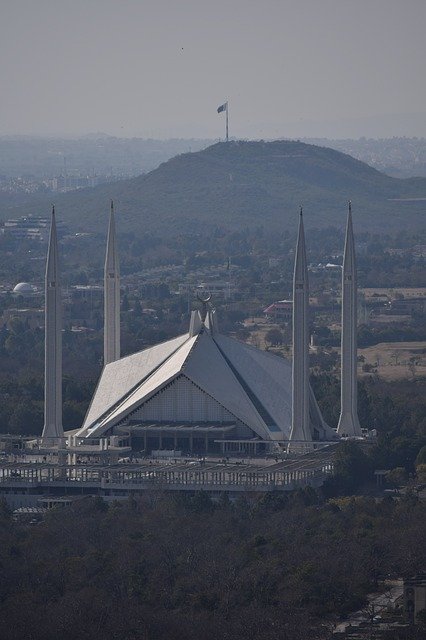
[[348, 421], [300, 427], [111, 296], [53, 343]]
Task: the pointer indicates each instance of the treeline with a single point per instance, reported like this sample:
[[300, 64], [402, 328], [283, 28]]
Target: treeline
[[22, 402], [369, 335], [184, 568], [396, 410], [415, 331], [22, 377]]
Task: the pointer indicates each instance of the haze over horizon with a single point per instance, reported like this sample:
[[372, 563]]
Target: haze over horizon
[[327, 69]]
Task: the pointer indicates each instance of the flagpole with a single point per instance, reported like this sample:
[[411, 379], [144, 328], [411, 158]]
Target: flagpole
[[221, 108]]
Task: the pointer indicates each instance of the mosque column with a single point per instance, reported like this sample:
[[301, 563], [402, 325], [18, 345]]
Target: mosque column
[[300, 426], [111, 295], [348, 421], [52, 429]]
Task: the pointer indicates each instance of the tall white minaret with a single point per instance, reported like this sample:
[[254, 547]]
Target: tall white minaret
[[111, 296], [300, 426], [348, 421], [53, 343]]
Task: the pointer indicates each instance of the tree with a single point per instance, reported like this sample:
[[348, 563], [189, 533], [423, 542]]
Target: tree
[[421, 456], [352, 468], [274, 337], [27, 418], [397, 476], [412, 366], [421, 472], [243, 334], [395, 356]]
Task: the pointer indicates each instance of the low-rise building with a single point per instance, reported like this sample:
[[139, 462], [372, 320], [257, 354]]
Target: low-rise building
[[217, 288], [32, 318], [280, 311], [415, 596], [34, 228]]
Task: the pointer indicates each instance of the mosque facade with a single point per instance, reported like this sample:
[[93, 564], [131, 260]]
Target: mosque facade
[[202, 391]]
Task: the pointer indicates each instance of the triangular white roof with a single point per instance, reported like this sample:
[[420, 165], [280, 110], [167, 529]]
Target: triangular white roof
[[252, 385], [267, 375], [159, 378], [208, 369], [120, 377]]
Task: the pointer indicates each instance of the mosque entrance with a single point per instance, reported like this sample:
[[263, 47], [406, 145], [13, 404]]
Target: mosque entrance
[[199, 438]]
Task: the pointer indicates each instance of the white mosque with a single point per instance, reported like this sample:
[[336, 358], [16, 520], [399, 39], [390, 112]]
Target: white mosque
[[202, 391]]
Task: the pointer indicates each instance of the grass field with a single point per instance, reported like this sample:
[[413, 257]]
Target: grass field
[[407, 292], [397, 360], [390, 360]]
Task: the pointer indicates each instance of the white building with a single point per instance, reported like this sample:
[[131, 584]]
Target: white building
[[201, 391]]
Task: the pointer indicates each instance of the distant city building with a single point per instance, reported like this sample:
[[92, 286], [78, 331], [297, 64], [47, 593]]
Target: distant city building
[[280, 311], [86, 292], [71, 183], [419, 251], [24, 289], [218, 288], [32, 318], [29, 228]]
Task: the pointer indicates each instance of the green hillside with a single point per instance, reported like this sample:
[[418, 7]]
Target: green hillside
[[247, 184]]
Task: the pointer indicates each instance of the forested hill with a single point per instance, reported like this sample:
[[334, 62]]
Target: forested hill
[[251, 184]]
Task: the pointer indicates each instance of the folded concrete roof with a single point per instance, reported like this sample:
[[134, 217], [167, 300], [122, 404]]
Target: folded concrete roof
[[252, 385]]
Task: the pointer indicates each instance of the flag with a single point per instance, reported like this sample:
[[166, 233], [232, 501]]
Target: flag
[[223, 107]]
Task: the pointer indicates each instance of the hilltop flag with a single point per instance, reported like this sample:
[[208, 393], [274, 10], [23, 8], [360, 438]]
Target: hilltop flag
[[224, 108]]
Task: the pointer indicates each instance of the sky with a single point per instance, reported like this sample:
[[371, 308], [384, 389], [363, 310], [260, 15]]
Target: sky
[[160, 68]]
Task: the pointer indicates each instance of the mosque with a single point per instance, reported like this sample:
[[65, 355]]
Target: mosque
[[202, 391]]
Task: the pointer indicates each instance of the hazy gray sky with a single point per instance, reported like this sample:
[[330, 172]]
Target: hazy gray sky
[[160, 68]]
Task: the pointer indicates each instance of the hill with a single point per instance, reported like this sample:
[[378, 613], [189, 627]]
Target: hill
[[398, 157], [251, 184], [98, 153]]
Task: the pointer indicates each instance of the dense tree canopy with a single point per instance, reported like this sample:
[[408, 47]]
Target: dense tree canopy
[[182, 567]]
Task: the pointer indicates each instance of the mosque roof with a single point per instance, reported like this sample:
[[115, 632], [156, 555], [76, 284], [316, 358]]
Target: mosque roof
[[253, 386]]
